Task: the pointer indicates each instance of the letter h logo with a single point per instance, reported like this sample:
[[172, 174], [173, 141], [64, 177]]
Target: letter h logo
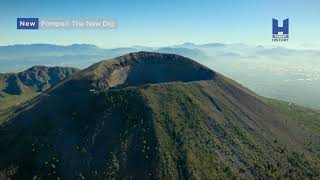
[[276, 29]]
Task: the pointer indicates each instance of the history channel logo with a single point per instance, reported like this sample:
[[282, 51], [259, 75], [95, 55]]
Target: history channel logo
[[280, 34]]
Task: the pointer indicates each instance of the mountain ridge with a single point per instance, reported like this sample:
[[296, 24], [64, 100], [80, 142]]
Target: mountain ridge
[[40, 78]]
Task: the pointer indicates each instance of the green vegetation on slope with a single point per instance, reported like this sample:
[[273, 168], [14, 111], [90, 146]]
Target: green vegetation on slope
[[8, 103], [214, 142], [167, 131], [305, 117], [187, 149]]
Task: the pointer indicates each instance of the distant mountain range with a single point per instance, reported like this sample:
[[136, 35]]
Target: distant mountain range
[[18, 57], [147, 115]]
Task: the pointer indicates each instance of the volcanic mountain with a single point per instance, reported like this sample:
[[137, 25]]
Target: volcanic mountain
[[157, 116]]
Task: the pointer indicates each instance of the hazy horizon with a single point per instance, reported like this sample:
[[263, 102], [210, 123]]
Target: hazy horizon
[[168, 23]]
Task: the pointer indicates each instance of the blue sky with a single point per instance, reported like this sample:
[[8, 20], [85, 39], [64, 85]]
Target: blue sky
[[165, 22]]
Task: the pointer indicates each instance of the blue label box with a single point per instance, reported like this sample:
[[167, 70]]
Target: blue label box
[[27, 23]]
